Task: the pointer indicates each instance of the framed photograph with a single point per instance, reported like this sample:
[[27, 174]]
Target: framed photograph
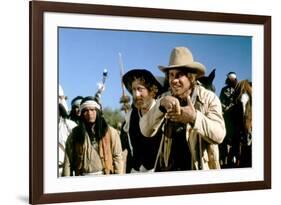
[[85, 49]]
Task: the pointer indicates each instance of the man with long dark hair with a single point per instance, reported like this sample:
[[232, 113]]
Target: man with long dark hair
[[75, 109], [94, 147]]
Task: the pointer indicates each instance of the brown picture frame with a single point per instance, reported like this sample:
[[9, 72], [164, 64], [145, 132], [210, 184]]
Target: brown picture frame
[[36, 191]]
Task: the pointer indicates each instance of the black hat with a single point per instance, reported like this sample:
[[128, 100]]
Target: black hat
[[150, 80]]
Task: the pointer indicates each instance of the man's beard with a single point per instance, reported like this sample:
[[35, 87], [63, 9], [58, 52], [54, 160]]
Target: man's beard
[[140, 103]]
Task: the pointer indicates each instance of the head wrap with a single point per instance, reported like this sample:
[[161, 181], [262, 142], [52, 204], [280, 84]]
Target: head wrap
[[231, 75], [89, 102], [62, 99], [76, 101]]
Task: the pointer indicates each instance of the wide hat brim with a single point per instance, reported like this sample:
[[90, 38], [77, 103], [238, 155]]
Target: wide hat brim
[[193, 67], [131, 75]]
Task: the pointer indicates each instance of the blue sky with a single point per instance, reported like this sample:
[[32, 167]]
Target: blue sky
[[85, 53]]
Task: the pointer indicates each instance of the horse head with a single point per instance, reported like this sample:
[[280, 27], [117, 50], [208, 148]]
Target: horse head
[[207, 81], [243, 96]]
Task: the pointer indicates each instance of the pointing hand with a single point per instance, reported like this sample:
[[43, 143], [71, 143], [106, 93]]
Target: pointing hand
[[186, 115]]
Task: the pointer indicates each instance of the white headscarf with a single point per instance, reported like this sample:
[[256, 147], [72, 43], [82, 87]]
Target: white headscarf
[[90, 103], [62, 100]]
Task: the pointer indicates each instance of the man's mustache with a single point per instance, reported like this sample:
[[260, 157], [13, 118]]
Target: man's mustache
[[138, 99]]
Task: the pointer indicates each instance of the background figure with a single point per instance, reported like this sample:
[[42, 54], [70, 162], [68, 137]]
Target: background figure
[[65, 127], [189, 117], [75, 109], [142, 151], [227, 159], [93, 147], [227, 92]]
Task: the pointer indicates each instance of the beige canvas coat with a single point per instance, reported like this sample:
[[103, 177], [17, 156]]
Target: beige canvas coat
[[203, 138]]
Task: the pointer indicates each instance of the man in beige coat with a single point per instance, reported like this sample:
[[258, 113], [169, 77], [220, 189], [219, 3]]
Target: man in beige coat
[[189, 116]]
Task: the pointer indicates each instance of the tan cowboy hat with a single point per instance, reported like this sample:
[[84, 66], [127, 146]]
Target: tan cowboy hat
[[181, 57]]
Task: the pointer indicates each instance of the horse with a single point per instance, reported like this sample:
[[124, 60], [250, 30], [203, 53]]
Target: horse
[[243, 137], [238, 121], [207, 81]]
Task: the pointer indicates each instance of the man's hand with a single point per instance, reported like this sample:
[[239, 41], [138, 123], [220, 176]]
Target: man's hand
[[170, 104], [186, 115]]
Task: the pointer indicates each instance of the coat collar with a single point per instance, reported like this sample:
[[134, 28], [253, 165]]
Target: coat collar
[[128, 116], [196, 95]]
